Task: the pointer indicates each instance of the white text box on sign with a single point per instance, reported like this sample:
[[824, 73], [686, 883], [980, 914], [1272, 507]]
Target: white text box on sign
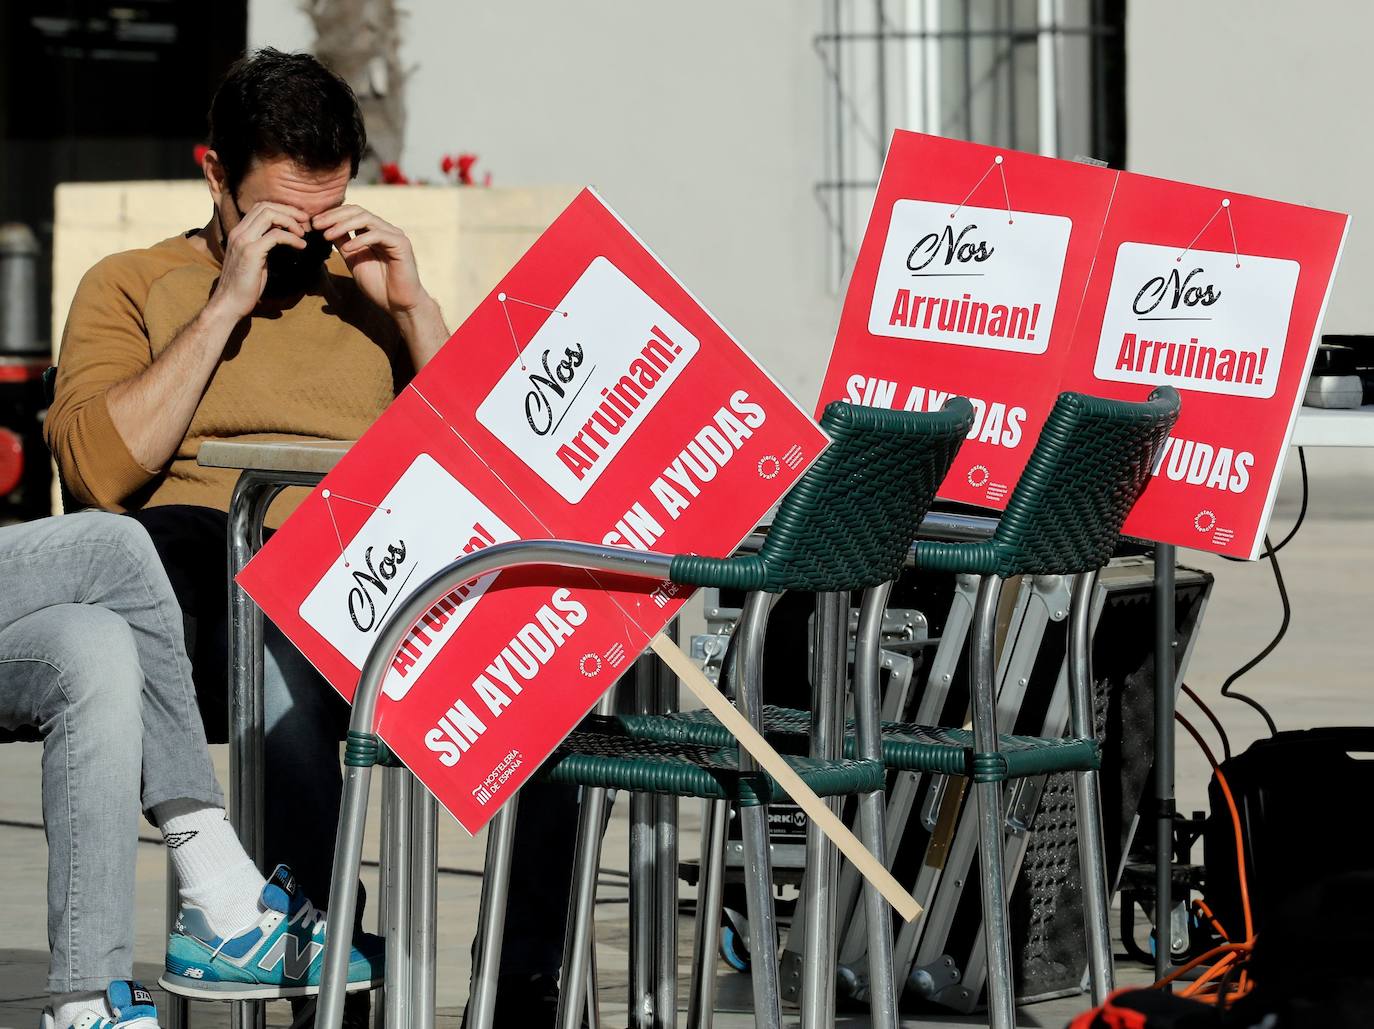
[[1194, 320], [593, 371], [427, 520], [985, 277]]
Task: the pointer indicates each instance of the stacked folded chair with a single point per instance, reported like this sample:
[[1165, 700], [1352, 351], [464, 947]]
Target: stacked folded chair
[[847, 525]]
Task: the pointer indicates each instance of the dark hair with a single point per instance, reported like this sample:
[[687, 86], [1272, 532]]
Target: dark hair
[[272, 104]]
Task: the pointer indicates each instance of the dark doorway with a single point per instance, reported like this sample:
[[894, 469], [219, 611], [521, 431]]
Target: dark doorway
[[103, 91]]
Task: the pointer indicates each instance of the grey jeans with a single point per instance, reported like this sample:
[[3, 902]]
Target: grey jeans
[[91, 655]]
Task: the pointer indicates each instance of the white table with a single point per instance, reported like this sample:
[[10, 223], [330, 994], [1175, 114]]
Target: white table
[[1324, 427]]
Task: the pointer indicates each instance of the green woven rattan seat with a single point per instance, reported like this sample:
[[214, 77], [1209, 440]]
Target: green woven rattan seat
[[907, 747], [614, 759], [848, 524], [1091, 463]]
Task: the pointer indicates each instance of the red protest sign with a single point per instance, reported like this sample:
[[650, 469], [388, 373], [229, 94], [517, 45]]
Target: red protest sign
[[1221, 296], [968, 283], [1077, 280], [589, 397]]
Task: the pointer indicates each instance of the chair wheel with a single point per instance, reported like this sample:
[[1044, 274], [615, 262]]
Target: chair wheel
[[733, 949]]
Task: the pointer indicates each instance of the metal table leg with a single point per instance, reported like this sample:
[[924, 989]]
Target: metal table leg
[[247, 511], [1165, 643]]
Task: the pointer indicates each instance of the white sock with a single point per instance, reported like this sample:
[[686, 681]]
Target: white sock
[[68, 1007], [213, 871]]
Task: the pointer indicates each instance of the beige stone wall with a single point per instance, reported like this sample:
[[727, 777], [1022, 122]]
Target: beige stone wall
[[465, 238]]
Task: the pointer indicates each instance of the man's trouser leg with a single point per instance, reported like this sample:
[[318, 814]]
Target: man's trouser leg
[[70, 670], [91, 654], [102, 560]]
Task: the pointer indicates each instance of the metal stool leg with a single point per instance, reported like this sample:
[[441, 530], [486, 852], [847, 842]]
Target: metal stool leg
[[822, 865], [996, 930], [758, 871], [643, 863], [491, 917], [424, 887], [397, 796], [1092, 849], [577, 938], [882, 985], [665, 869], [763, 930], [175, 1010], [593, 994], [701, 1002], [343, 894]]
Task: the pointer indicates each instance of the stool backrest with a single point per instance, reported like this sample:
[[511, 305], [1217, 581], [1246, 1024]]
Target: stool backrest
[[850, 521], [1091, 463]]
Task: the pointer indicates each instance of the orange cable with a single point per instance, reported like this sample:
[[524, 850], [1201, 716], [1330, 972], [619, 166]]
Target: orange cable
[[1231, 956]]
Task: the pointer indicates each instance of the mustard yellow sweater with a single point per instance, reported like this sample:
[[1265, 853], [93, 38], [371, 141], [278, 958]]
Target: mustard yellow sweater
[[322, 369]]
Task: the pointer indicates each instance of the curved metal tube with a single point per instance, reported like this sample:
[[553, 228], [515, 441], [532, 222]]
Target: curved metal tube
[[1092, 840], [348, 843], [561, 553]]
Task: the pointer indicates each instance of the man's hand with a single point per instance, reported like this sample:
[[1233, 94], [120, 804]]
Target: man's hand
[[245, 255], [379, 255], [383, 265]]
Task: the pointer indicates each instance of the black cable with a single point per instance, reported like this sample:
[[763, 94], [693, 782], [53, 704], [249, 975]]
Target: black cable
[[1272, 551], [1211, 717], [1302, 514]]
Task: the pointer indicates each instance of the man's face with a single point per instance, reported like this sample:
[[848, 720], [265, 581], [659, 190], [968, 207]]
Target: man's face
[[279, 180]]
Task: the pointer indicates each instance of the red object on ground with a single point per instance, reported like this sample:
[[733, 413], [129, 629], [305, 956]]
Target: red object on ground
[[11, 460], [393, 176]]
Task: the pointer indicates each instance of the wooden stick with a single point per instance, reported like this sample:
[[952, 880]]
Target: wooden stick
[[772, 762]]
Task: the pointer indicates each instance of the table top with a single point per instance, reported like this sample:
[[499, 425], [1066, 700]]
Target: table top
[[312, 457], [1316, 427], [1329, 427]]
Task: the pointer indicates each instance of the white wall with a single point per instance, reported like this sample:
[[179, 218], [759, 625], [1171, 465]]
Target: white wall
[[1267, 98], [1271, 99], [700, 123]]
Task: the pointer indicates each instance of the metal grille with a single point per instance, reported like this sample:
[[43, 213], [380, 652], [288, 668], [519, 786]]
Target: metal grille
[[1048, 911], [1044, 76]]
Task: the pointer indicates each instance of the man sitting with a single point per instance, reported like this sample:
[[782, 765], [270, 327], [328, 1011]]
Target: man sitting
[[251, 327], [91, 656], [289, 315]]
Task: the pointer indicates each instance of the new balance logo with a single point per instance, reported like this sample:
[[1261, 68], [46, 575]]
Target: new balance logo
[[288, 949]]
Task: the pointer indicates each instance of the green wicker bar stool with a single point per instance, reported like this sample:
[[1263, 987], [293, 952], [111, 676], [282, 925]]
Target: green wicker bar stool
[[1091, 463], [847, 525], [906, 746], [1089, 466], [606, 757]]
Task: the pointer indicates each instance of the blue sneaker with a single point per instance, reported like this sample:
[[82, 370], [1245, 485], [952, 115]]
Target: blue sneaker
[[131, 1003], [281, 956]]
